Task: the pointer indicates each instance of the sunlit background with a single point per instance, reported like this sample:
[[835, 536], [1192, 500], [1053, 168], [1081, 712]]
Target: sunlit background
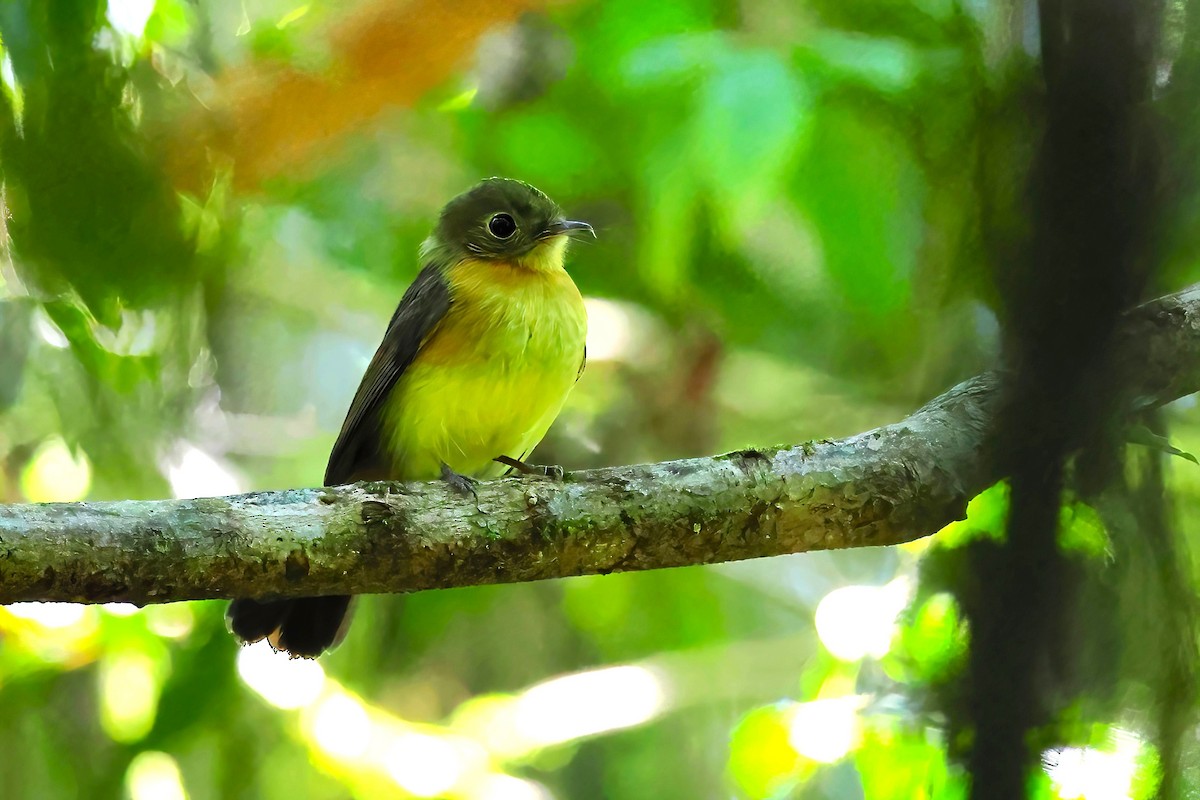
[[211, 209]]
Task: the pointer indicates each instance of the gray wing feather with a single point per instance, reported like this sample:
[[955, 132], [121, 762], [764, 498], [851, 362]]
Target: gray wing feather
[[359, 448]]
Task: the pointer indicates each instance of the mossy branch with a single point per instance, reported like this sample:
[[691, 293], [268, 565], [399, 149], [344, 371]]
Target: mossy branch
[[890, 485]]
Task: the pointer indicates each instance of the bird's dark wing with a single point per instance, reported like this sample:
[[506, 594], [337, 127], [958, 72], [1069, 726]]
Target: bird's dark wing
[[359, 451]]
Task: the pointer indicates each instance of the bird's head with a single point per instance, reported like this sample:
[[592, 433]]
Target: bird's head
[[505, 220]]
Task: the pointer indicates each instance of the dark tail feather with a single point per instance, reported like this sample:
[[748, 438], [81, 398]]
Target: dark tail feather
[[305, 627]]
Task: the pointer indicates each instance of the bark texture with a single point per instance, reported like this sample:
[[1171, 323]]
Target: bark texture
[[889, 485]]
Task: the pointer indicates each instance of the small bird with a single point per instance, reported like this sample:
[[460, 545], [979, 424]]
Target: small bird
[[475, 365]]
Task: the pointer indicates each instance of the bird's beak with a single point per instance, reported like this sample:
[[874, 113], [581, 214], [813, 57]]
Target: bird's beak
[[567, 227]]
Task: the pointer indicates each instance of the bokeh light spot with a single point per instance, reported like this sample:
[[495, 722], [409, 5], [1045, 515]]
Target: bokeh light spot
[[129, 689], [854, 622], [422, 765], [49, 615], [283, 682], [194, 473], [588, 703], [610, 333], [1089, 773], [825, 730], [341, 726], [171, 620], [496, 786], [55, 475], [130, 16], [47, 330], [154, 776], [120, 609]]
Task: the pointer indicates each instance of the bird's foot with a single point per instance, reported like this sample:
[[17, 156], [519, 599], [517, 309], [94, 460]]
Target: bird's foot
[[551, 471], [463, 484]]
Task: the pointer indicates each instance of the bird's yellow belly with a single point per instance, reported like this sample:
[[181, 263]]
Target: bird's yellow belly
[[491, 379]]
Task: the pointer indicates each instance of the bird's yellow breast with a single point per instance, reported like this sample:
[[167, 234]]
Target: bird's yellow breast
[[492, 375]]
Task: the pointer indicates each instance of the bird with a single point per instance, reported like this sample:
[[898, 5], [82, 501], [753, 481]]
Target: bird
[[476, 363]]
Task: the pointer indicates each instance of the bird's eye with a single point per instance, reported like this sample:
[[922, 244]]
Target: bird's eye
[[502, 226]]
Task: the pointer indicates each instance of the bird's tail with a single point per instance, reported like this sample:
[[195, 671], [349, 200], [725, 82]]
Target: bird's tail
[[304, 627]]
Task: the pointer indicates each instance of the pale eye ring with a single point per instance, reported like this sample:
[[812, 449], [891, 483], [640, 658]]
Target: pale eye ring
[[502, 226]]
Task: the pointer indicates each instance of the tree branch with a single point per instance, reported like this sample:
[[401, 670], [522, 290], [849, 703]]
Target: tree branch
[[890, 485]]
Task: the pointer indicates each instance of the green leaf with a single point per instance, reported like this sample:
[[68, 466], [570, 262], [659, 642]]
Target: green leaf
[[170, 23], [751, 117], [1080, 528], [895, 763], [1140, 434], [932, 644], [762, 763], [673, 60], [552, 152], [881, 64], [863, 193], [987, 513], [666, 213]]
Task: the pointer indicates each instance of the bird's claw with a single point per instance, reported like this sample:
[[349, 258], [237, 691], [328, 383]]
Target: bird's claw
[[551, 471], [463, 484]]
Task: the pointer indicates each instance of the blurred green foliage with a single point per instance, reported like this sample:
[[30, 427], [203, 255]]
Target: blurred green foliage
[[799, 206]]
